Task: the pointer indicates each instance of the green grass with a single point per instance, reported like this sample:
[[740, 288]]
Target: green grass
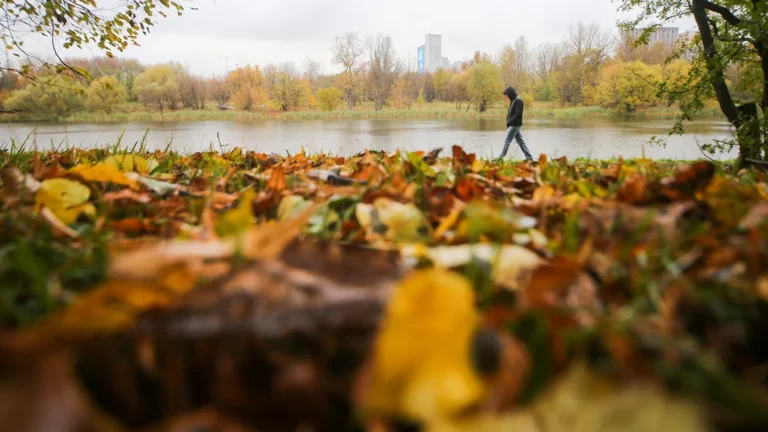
[[133, 112]]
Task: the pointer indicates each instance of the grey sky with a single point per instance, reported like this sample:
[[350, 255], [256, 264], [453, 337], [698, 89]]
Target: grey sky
[[259, 32]]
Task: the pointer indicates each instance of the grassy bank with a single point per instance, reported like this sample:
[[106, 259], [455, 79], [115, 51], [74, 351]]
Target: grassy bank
[[438, 110]]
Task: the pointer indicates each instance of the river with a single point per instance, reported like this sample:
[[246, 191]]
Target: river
[[592, 137]]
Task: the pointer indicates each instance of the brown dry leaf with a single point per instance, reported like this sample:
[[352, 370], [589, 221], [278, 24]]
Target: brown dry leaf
[[632, 191], [467, 189], [757, 216], [15, 184], [148, 262], [514, 367], [460, 158], [128, 195], [277, 180], [222, 184]]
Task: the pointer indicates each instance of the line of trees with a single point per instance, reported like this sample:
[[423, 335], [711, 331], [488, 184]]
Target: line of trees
[[591, 67]]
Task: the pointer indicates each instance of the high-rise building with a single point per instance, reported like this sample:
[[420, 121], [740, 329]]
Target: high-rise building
[[433, 52], [445, 63], [666, 35]]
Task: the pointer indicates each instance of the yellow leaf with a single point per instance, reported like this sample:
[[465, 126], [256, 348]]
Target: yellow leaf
[[433, 378], [67, 199], [236, 220], [394, 221], [477, 165], [130, 162], [543, 192], [447, 223], [102, 173]]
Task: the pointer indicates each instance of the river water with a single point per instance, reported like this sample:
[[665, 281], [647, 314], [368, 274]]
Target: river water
[[594, 137]]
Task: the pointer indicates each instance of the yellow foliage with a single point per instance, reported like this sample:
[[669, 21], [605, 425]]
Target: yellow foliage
[[432, 379], [67, 199], [238, 219], [628, 86], [102, 173], [393, 220], [329, 98], [131, 162]]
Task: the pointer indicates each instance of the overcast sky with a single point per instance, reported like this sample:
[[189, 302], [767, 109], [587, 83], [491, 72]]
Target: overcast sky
[[272, 31]]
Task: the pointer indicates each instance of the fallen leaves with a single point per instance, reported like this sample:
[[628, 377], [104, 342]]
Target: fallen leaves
[[551, 297], [66, 199]]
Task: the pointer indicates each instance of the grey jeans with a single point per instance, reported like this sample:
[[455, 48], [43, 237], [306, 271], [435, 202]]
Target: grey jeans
[[514, 133]]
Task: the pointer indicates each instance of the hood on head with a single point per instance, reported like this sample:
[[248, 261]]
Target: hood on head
[[510, 92]]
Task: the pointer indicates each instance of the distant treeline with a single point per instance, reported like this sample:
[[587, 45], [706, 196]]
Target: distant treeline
[[592, 67]]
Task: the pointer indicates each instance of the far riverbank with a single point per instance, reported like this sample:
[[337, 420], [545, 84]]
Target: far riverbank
[[439, 110]]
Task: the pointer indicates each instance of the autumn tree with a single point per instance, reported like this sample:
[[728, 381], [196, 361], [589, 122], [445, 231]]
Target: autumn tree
[[77, 24], [383, 68], [247, 88], [676, 73], [485, 84], [284, 86], [440, 82], [157, 86], [329, 98], [459, 88], [400, 98], [626, 86], [193, 90], [587, 49], [347, 52], [48, 97], [730, 32], [220, 91], [124, 70], [105, 93]]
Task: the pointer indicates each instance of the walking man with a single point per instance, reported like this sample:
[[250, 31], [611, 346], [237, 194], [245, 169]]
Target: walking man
[[514, 123]]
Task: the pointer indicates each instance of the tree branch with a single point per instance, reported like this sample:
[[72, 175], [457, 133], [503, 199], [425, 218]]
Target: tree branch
[[723, 11]]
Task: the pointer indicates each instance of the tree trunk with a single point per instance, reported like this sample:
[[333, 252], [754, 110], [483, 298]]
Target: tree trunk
[[734, 115], [764, 65]]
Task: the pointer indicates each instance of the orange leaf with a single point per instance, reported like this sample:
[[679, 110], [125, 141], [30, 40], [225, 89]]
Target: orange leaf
[[277, 180]]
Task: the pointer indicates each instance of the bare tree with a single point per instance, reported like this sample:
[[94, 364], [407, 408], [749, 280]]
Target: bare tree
[[548, 58], [583, 38], [517, 65], [383, 70], [312, 70], [348, 52]]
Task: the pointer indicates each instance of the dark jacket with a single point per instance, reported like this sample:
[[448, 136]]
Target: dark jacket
[[515, 111]]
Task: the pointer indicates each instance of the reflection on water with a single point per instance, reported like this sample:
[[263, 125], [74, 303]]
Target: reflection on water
[[595, 137]]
